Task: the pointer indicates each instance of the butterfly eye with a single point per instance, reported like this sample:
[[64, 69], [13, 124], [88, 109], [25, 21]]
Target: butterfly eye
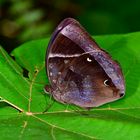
[[106, 82], [89, 60]]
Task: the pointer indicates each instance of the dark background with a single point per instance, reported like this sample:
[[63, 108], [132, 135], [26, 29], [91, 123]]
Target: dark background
[[23, 20]]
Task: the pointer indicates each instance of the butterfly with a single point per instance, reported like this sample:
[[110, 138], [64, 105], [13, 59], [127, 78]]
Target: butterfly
[[79, 71]]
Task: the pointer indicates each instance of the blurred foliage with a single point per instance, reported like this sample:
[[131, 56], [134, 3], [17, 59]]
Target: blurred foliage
[[26, 20]]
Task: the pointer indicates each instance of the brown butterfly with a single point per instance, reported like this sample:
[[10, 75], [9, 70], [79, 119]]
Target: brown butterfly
[[79, 71]]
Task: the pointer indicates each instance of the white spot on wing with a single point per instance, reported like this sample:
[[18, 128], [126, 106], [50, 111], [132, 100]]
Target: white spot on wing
[[50, 73], [89, 60], [66, 61], [59, 73], [105, 82]]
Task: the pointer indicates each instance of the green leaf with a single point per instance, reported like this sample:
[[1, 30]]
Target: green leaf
[[22, 100]]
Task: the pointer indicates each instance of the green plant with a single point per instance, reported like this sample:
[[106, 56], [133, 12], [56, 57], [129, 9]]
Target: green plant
[[22, 100]]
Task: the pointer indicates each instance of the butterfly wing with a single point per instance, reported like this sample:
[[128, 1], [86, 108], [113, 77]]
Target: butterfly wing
[[74, 71]]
